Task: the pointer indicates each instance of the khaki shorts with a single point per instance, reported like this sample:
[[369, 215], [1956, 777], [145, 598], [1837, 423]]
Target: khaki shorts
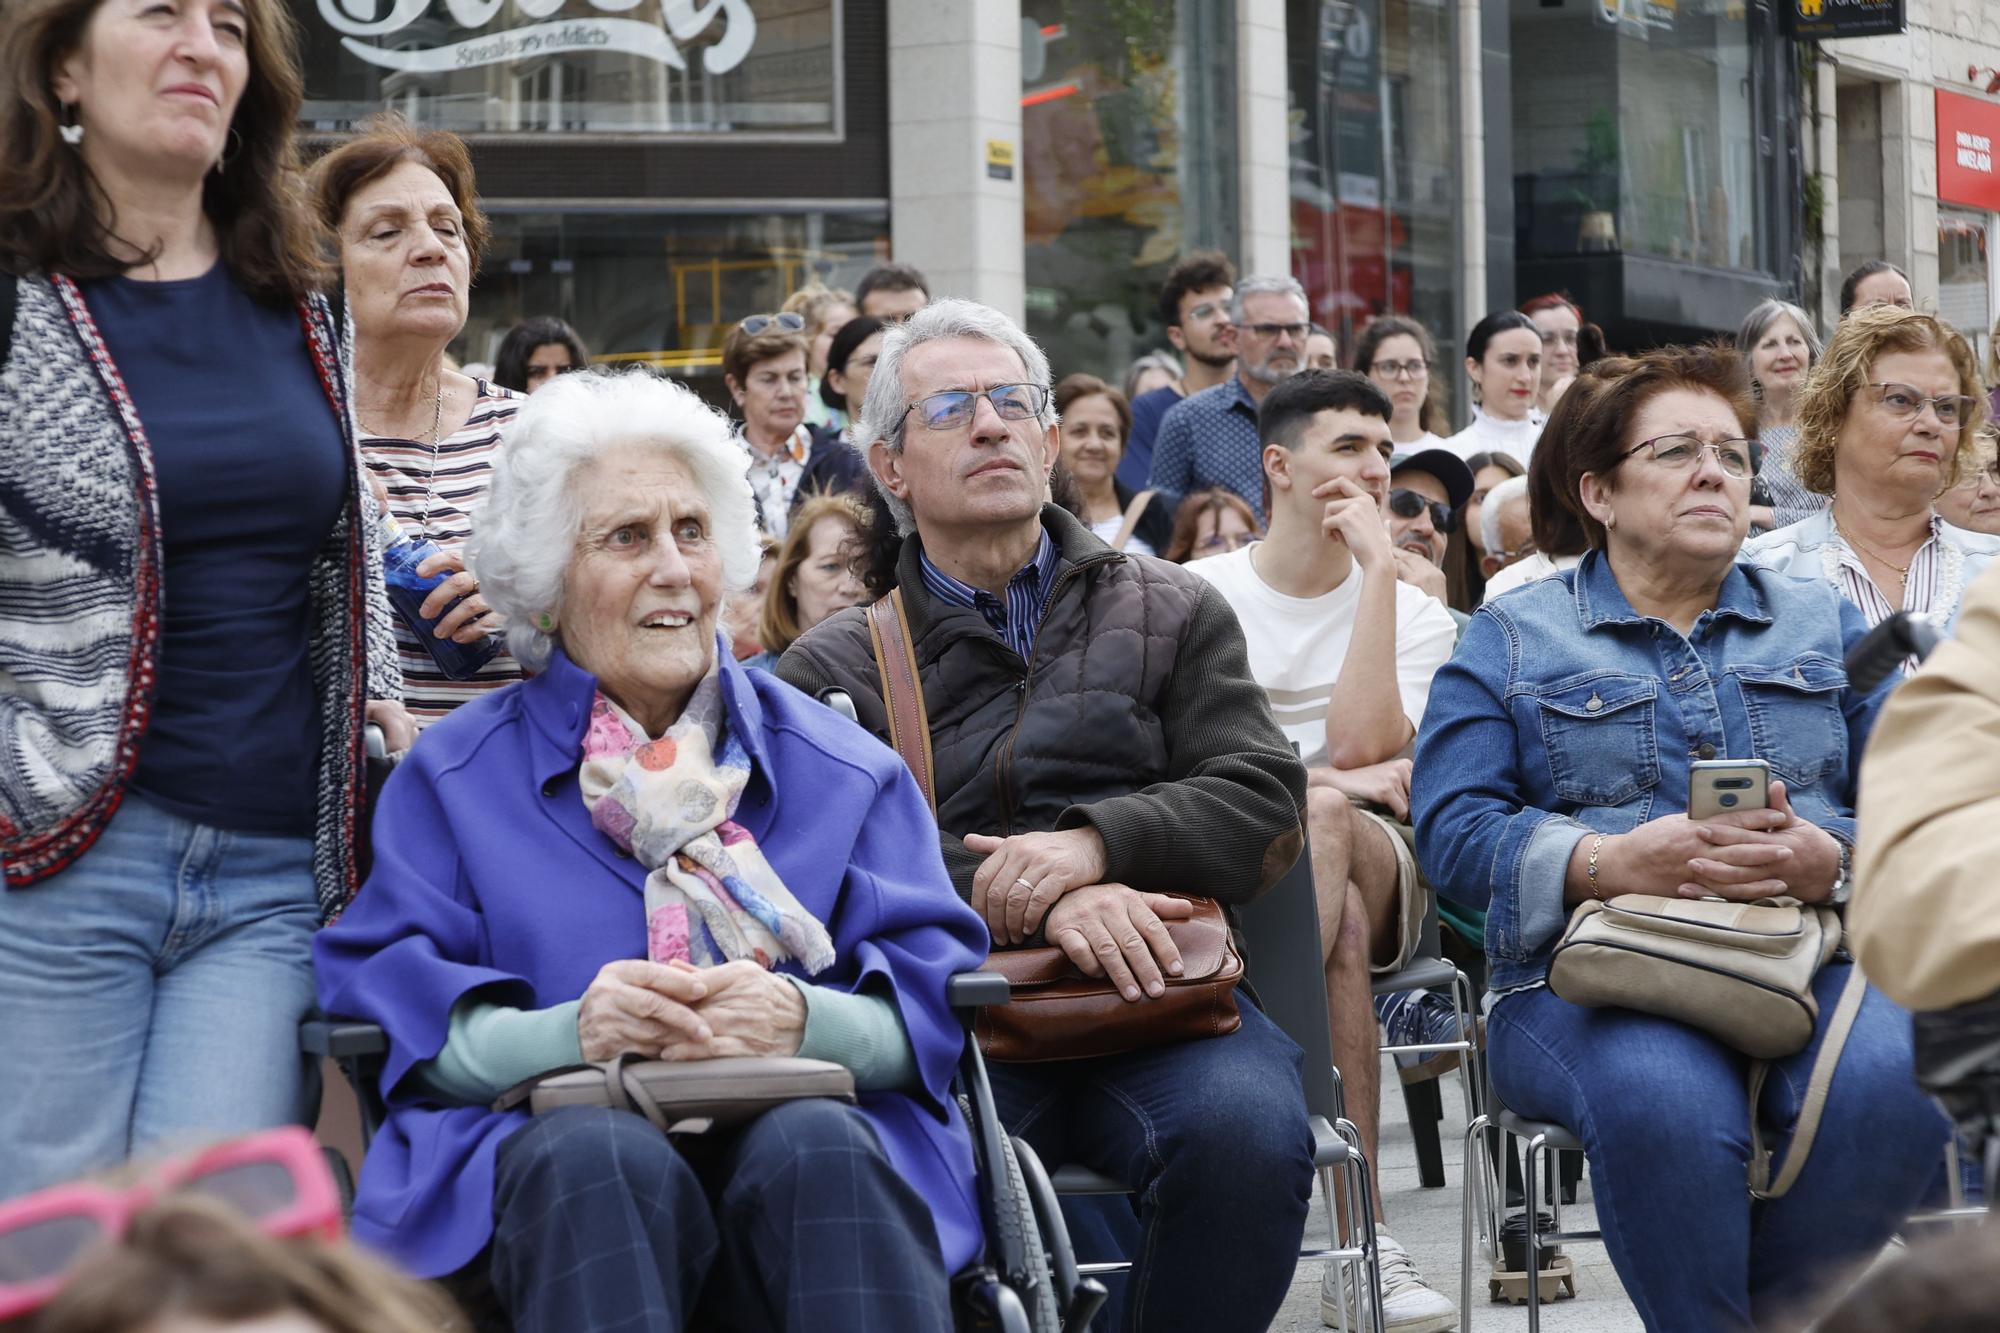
[[1410, 892]]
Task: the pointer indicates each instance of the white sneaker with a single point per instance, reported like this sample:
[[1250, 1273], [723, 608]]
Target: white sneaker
[[1409, 1304]]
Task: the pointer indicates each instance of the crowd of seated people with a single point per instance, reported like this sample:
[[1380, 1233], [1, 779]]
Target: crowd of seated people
[[1171, 639]]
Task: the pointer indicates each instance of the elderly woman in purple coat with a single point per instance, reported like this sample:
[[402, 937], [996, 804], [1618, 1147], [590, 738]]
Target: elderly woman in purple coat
[[646, 848]]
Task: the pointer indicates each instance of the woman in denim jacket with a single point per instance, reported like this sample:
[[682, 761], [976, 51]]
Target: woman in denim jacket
[[1553, 767]]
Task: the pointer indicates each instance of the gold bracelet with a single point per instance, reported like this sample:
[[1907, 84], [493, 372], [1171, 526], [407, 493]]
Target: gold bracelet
[[1596, 846]]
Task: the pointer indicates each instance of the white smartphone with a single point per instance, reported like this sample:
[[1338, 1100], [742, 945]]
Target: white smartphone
[[1727, 786]]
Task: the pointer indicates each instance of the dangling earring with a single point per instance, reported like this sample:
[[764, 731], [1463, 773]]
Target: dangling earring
[[230, 152], [71, 128], [545, 622]]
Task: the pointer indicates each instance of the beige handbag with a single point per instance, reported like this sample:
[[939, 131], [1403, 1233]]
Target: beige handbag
[[684, 1096], [1741, 972]]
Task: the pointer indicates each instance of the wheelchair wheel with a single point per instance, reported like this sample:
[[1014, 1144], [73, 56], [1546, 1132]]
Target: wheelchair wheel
[[1015, 1212]]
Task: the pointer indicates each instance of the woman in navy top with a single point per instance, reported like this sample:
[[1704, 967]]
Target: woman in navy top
[[186, 597]]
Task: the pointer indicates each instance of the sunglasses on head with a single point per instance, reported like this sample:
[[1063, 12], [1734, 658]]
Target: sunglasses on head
[[1409, 504], [276, 1178], [789, 321]]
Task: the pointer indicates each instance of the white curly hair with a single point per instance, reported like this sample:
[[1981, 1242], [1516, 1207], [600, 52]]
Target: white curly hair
[[525, 534]]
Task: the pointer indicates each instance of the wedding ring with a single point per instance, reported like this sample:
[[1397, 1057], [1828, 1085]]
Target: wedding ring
[[1024, 884]]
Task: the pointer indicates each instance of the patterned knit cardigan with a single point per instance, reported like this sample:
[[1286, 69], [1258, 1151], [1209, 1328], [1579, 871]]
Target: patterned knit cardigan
[[80, 597]]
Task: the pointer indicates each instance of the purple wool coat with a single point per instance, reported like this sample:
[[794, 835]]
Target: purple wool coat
[[488, 874]]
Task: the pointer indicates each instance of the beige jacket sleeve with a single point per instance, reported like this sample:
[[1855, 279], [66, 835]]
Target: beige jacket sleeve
[[1924, 920]]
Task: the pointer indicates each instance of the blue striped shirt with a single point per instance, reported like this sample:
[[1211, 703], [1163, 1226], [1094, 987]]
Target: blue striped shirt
[[1016, 619]]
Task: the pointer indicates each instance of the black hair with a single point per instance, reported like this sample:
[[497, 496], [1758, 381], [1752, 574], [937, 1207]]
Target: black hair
[[1495, 324], [890, 277], [852, 334], [1295, 400], [1862, 272], [1197, 271], [510, 365]]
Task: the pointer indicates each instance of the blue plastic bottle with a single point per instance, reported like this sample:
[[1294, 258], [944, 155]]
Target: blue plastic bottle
[[401, 555]]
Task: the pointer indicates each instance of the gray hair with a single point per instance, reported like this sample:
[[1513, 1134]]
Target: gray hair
[[1759, 321], [1514, 488], [1259, 286], [1150, 361], [525, 532], [885, 410]]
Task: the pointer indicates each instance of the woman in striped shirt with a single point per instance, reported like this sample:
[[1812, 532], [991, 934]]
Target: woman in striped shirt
[[402, 205], [1888, 420]]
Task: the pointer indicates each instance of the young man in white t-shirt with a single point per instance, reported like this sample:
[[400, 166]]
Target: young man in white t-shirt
[[1346, 652]]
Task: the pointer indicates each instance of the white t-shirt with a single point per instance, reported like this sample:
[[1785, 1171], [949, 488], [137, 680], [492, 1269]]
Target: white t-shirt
[[1298, 644], [1108, 529], [1526, 570], [1489, 434]]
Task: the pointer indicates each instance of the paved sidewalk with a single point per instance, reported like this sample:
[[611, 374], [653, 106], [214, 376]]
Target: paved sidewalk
[[1427, 1222]]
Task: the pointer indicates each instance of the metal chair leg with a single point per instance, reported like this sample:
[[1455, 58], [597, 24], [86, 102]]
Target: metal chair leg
[[1476, 1183], [1537, 1152]]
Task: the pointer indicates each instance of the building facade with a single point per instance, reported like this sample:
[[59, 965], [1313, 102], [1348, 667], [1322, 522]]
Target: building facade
[[1907, 129], [658, 169]]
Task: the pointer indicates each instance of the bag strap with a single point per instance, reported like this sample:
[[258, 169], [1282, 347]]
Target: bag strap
[[9, 296], [1817, 1086], [1131, 523], [902, 689]]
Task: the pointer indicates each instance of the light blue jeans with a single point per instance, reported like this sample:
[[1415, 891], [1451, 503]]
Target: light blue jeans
[[1664, 1116], [150, 996]]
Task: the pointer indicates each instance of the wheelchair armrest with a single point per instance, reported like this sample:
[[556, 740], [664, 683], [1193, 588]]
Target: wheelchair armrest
[[976, 990], [341, 1038]]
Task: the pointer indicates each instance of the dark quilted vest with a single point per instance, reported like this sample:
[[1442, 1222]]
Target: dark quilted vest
[[1015, 744]]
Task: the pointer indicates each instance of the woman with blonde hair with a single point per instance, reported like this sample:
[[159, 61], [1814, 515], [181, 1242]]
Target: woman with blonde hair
[[1889, 419], [817, 573], [825, 311]]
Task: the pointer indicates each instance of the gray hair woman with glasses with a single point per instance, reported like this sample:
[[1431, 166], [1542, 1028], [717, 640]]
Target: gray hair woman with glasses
[[1778, 347], [1889, 419]]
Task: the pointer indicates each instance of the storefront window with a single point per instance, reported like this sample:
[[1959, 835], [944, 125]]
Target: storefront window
[[1375, 164], [1636, 133], [1965, 274], [576, 66], [664, 290], [1128, 133]]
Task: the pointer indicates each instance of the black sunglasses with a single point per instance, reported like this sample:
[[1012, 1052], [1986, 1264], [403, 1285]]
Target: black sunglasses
[[1408, 504]]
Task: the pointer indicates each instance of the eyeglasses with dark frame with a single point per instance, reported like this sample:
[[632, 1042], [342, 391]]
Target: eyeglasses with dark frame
[[955, 407], [1408, 504], [1297, 332], [1401, 370], [1905, 403], [1737, 458]]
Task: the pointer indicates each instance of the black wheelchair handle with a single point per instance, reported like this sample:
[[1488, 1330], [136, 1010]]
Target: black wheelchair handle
[[1882, 649]]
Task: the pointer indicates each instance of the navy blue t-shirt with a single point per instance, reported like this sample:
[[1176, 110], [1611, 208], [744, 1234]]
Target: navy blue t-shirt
[[252, 473]]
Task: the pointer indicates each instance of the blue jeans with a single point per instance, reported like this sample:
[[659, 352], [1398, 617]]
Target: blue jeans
[[1663, 1114], [150, 996], [796, 1222], [1214, 1134]]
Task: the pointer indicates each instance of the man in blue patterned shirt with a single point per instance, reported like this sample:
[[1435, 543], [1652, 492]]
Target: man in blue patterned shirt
[[1210, 438]]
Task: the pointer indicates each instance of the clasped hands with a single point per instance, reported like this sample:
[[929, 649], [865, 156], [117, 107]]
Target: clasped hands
[[1053, 882], [677, 1011], [1743, 857]]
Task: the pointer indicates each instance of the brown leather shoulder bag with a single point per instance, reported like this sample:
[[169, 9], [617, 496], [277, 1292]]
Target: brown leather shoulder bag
[[1057, 1012]]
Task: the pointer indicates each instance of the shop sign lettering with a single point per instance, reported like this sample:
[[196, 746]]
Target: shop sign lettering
[[657, 38], [1974, 151]]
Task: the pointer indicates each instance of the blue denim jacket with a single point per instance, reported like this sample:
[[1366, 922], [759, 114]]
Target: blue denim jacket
[[1566, 713]]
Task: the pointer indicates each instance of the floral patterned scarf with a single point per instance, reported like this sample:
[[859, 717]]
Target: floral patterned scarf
[[711, 897]]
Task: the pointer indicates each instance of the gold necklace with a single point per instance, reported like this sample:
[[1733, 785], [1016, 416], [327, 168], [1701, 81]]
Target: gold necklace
[[1902, 571]]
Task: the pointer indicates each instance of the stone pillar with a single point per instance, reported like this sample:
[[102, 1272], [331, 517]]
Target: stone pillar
[[954, 111], [1264, 169]]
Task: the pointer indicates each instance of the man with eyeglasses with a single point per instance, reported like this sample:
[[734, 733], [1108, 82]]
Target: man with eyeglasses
[[1194, 307], [1097, 741], [1345, 651], [1211, 438]]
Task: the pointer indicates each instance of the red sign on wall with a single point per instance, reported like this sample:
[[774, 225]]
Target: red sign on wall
[[1968, 144]]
